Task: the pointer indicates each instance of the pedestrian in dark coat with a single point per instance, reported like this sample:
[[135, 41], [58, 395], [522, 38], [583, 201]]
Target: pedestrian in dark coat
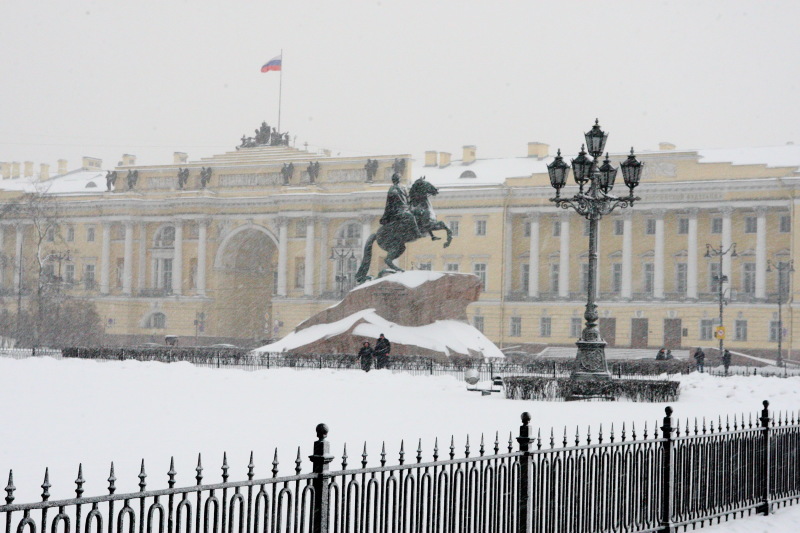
[[726, 359], [365, 354], [700, 359], [661, 355], [382, 349]]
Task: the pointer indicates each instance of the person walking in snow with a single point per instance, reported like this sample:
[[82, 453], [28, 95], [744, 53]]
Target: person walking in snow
[[700, 359], [382, 349], [365, 354], [726, 359]]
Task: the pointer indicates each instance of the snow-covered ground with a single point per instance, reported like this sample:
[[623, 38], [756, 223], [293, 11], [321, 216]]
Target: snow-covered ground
[[58, 413]]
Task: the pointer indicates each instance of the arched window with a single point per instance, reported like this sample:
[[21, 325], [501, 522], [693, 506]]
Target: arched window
[[165, 237], [468, 174], [156, 321]]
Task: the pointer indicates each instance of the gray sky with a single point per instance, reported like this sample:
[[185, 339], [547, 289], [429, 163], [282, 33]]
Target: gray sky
[[150, 78]]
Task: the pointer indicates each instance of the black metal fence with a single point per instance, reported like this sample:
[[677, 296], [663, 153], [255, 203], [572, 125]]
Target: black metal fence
[[667, 479]]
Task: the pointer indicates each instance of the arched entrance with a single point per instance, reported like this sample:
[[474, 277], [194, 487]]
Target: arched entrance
[[246, 262]]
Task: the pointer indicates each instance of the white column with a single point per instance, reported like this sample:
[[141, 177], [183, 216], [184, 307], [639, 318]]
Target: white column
[[658, 259], [366, 227], [127, 268], [308, 280], [323, 262], [627, 255], [2, 245], [533, 269], [18, 258], [105, 259], [727, 241], [283, 250], [177, 260], [761, 253], [141, 280], [202, 237], [508, 261], [691, 256], [563, 260]]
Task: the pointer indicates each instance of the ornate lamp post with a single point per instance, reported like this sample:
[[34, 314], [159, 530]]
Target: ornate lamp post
[[593, 201], [341, 256], [781, 267], [720, 279]]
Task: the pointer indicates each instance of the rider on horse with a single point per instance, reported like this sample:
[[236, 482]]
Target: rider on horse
[[398, 208]]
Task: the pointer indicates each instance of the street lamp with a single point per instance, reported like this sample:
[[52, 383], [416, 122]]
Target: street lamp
[[781, 267], [593, 202], [341, 256], [720, 279]]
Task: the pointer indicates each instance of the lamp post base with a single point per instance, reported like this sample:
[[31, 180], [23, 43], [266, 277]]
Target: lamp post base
[[591, 362]]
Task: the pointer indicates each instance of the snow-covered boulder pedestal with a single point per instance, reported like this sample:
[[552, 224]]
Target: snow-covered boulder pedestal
[[420, 312]]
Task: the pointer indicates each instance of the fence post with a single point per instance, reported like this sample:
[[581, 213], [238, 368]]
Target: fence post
[[524, 496], [267, 360], [667, 474], [765, 420], [320, 460], [430, 365], [554, 370]]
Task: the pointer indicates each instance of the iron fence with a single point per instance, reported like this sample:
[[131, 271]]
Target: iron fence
[[25, 353], [670, 478]]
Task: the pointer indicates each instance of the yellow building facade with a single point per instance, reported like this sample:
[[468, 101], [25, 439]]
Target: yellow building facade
[[247, 244]]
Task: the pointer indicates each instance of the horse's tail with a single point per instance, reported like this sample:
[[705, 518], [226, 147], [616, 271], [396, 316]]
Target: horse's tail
[[361, 275]]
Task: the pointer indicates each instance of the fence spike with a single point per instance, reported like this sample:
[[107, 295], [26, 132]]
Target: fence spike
[[728, 422], [298, 462], [172, 473], [577, 436], [111, 479], [645, 430], [496, 442], [383, 453], [552, 438], [539, 439], [402, 451], [588, 435], [142, 477], [600, 435], [199, 469], [510, 443], [633, 430], [364, 456], [452, 448], [482, 449], [46, 485], [10, 488], [466, 447], [79, 481], [719, 423], [251, 468], [564, 442], [225, 467], [750, 422], [711, 423], [611, 437], [275, 464], [704, 425], [436, 449], [677, 426]]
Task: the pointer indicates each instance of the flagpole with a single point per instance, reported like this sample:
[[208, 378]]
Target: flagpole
[[280, 89]]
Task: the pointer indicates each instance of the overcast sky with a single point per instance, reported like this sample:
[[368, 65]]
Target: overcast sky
[[150, 78]]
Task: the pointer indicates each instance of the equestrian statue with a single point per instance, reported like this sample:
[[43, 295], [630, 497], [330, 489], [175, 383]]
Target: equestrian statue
[[408, 216]]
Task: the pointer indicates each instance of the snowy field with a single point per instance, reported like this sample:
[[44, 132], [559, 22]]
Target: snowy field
[[58, 413]]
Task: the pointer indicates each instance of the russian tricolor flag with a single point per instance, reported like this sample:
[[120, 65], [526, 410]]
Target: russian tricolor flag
[[272, 64]]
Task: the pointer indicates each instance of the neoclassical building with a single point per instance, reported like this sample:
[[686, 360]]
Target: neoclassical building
[[242, 246]]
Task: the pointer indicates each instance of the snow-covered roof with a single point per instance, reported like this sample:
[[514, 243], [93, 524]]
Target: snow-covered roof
[[81, 181], [772, 156], [484, 171]]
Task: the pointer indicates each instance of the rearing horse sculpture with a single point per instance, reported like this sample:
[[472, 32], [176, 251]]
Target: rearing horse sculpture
[[392, 237]]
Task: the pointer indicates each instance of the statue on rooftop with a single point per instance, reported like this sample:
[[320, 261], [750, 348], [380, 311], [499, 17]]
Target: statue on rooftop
[[287, 172], [313, 171], [183, 177], [372, 168], [205, 177], [111, 179], [132, 178]]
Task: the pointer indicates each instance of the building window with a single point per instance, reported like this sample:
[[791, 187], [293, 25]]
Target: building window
[[70, 234], [516, 327], [681, 273], [774, 330], [545, 326], [619, 227], [650, 229], [750, 224], [683, 226], [477, 322], [453, 227], [649, 279], [782, 280], [575, 327], [785, 224], [163, 274], [616, 278], [193, 272], [165, 238], [300, 228], [479, 269], [480, 228], [88, 276], [525, 277], [716, 225], [556, 228], [554, 277], [427, 265], [451, 267], [706, 329], [90, 234], [749, 278], [69, 273], [584, 277], [526, 228], [157, 321], [740, 330], [299, 273], [50, 234], [120, 271], [713, 277]]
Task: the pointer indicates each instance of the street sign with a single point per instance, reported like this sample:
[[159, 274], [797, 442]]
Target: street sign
[[719, 332]]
